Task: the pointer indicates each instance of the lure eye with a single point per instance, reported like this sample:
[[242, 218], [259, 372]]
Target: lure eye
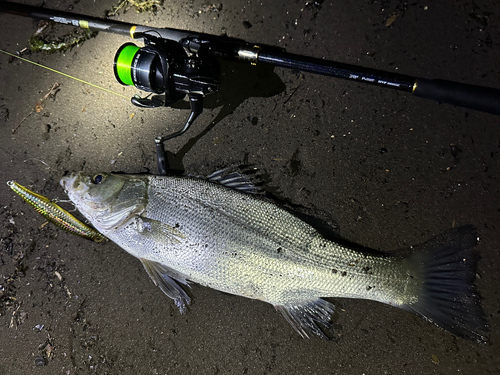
[[98, 178]]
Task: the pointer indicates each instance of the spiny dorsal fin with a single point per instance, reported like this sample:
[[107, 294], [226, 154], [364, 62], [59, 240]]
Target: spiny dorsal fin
[[233, 179]]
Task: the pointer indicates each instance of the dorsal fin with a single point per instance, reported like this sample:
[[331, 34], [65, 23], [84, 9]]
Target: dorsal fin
[[235, 180]]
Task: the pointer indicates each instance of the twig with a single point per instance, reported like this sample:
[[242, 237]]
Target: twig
[[38, 106]]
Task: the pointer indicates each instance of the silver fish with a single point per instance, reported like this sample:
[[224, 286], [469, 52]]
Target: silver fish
[[215, 233]]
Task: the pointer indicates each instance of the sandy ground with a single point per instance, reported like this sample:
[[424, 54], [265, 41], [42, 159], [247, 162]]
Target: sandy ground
[[379, 162]]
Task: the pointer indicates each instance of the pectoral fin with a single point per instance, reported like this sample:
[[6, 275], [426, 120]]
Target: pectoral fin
[[304, 317], [167, 279], [157, 231]]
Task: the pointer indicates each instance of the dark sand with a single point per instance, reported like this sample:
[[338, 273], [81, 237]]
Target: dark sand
[[379, 162]]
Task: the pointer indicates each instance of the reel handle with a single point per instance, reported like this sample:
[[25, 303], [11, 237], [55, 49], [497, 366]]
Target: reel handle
[[196, 103]]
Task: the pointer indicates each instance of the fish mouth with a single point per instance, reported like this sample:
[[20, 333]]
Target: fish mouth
[[72, 182]]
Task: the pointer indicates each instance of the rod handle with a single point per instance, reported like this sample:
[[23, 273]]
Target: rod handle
[[460, 94]]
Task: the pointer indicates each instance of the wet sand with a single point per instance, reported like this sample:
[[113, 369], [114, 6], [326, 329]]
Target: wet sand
[[391, 170]]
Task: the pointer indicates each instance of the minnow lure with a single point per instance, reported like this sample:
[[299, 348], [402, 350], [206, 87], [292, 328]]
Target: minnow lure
[[55, 214]]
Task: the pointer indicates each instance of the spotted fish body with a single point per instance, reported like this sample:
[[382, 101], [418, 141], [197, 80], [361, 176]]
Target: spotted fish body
[[187, 229]]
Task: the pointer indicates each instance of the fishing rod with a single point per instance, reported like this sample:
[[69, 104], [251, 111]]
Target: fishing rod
[[175, 63]]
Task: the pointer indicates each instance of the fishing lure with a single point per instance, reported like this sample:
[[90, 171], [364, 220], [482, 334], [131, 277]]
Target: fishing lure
[[55, 214]]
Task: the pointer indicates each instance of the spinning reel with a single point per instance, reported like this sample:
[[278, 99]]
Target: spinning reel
[[175, 62], [164, 69]]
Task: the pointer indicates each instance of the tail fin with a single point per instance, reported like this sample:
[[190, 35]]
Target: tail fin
[[448, 298]]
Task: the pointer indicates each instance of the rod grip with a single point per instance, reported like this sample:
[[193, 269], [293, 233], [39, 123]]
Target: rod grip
[[460, 94]]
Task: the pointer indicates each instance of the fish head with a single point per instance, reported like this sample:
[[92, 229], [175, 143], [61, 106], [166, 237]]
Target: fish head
[[96, 191], [106, 200]]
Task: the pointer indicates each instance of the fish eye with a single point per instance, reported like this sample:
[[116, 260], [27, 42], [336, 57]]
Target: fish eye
[[98, 178]]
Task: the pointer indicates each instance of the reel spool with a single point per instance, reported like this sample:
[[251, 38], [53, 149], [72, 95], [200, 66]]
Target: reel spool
[[139, 67]]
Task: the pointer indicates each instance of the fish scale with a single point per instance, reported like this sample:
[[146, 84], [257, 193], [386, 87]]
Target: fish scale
[[247, 221], [194, 230]]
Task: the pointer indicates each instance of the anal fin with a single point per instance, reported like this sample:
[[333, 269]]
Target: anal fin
[[166, 279], [304, 317]]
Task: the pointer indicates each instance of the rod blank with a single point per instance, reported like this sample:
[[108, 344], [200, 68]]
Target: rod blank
[[464, 95]]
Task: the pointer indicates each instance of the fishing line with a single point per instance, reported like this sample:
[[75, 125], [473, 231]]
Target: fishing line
[[64, 74]]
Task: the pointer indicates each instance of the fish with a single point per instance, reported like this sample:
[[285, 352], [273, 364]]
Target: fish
[[55, 214], [218, 233]]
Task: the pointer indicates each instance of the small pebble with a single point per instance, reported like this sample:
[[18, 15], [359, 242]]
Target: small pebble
[[39, 361]]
